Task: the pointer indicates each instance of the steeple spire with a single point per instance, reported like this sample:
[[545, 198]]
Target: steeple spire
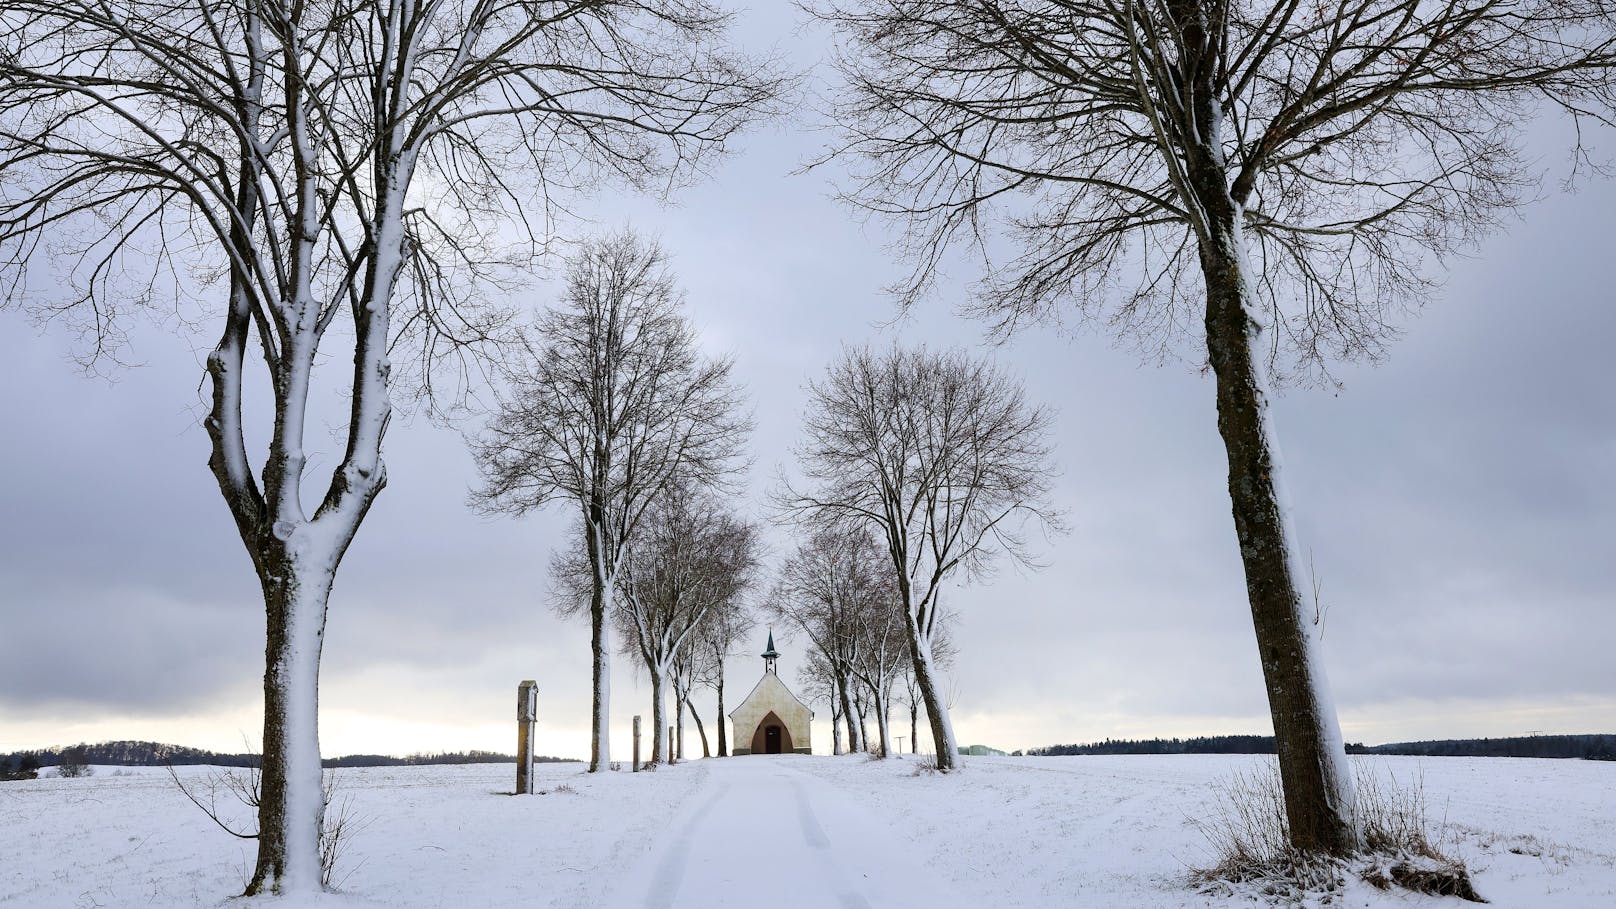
[[770, 654]]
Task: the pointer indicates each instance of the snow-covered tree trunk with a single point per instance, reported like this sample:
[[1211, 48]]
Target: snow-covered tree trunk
[[1317, 782], [292, 803], [836, 726], [659, 723], [942, 729], [602, 581], [678, 720], [855, 741], [722, 721], [882, 722]]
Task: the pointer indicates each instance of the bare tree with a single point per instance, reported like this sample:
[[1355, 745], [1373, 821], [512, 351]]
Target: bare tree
[[272, 160], [818, 682], [941, 458], [881, 654], [611, 408], [692, 557], [686, 675], [942, 654], [716, 639], [73, 763], [1273, 177]]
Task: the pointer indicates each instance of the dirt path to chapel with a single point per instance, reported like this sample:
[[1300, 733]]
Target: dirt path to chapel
[[761, 833]]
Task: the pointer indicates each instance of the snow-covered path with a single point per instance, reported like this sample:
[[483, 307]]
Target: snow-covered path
[[760, 829], [789, 831]]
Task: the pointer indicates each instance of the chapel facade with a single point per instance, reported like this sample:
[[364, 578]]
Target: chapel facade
[[771, 720]]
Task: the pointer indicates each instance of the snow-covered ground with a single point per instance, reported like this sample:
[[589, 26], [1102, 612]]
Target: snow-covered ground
[[788, 831]]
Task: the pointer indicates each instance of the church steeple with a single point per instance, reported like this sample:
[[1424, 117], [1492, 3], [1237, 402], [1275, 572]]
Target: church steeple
[[770, 654]]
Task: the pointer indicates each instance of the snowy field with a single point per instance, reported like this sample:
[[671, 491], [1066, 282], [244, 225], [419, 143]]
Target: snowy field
[[788, 831]]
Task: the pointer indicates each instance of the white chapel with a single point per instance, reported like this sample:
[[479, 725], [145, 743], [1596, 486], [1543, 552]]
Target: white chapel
[[771, 720]]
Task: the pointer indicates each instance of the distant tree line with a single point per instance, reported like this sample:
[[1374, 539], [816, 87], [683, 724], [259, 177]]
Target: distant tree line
[[156, 754], [1217, 744], [1588, 747]]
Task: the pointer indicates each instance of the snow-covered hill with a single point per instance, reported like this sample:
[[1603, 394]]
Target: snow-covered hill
[[788, 831]]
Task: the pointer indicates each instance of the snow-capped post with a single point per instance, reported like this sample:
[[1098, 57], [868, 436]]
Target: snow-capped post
[[939, 457], [1281, 179], [260, 157], [672, 758], [610, 403], [636, 765], [527, 715]]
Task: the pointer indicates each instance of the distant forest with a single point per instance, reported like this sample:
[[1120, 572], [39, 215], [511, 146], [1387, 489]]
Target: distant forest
[[1588, 747], [156, 754]]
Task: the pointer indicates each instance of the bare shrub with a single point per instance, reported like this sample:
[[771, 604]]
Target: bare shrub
[[338, 825], [244, 785], [1251, 840], [73, 764], [927, 765], [1250, 837]]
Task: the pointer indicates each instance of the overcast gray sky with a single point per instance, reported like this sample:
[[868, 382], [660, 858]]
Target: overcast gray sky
[[1457, 502]]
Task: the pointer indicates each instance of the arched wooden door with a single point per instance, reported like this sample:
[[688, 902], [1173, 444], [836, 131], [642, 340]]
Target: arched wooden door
[[771, 736]]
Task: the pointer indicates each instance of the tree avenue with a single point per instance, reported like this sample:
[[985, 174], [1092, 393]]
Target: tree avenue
[[1272, 178], [611, 410], [269, 160], [689, 567]]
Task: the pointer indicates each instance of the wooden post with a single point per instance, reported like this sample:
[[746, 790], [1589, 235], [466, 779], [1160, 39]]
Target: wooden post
[[671, 759], [527, 715], [636, 744]]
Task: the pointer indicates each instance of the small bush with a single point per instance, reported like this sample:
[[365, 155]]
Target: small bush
[[73, 764], [1250, 836]]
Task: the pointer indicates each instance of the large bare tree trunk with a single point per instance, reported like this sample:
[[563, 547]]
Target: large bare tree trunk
[[723, 721], [855, 741], [882, 725], [942, 731], [291, 798], [1312, 760], [835, 728], [678, 723], [659, 724], [600, 747]]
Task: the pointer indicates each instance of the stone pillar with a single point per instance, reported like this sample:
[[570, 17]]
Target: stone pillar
[[636, 744], [527, 715]]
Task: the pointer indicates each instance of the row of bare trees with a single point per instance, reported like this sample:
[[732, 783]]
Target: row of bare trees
[[333, 177], [919, 467], [612, 411], [837, 590], [1272, 179], [682, 605]]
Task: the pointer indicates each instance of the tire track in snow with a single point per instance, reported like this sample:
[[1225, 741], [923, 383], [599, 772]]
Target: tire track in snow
[[813, 834], [670, 871]]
